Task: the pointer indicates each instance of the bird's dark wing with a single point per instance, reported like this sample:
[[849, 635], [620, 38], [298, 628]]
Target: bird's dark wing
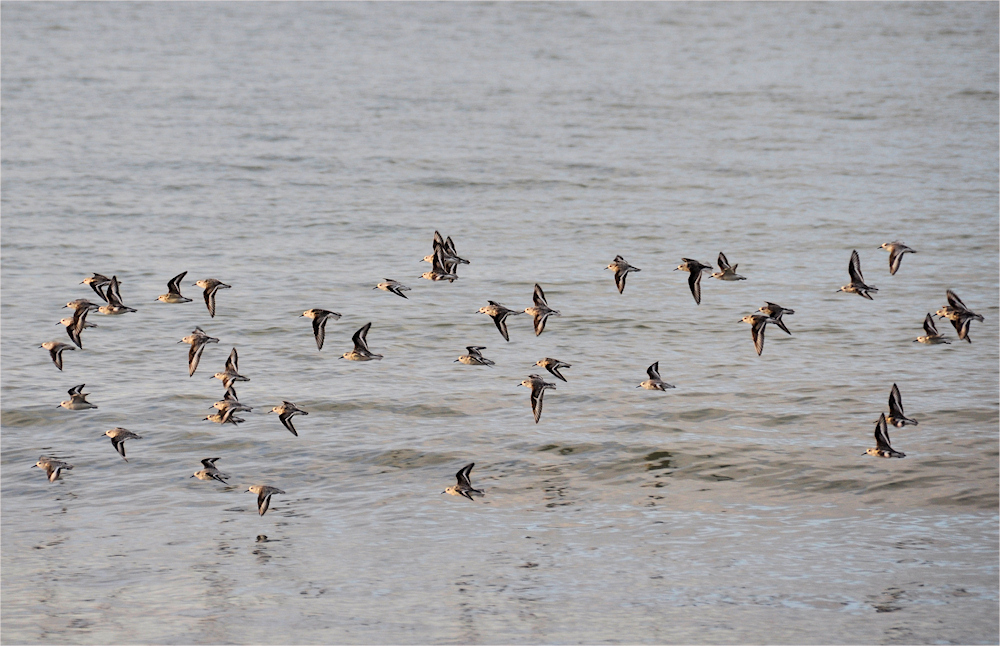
[[194, 356], [119, 444], [501, 322], [882, 434], [757, 330], [895, 403], [540, 322], [174, 286], [94, 286], [536, 401], [962, 327], [286, 419], [463, 475], [955, 301], [360, 342], [56, 354], [895, 256], [929, 326], [210, 301], [694, 282], [620, 274], [854, 268], [539, 297], [319, 330]]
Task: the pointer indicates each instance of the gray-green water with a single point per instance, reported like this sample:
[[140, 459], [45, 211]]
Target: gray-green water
[[303, 152]]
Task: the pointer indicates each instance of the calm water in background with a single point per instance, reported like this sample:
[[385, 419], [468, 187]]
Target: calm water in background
[[303, 152]]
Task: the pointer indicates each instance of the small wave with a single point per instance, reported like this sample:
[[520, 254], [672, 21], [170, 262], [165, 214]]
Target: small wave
[[979, 94], [404, 458], [24, 418]]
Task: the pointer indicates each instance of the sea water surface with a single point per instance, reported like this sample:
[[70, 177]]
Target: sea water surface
[[303, 152]]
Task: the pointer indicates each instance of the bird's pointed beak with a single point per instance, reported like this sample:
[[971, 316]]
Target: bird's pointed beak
[[59, 406]]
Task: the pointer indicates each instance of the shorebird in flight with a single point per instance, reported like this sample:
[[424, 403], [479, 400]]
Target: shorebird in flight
[[264, 493], [211, 285], [77, 399], [541, 311], [727, 272], [361, 351], [896, 251], [464, 486], [538, 386], [857, 284], [694, 280], [654, 382], [319, 318], [882, 448], [622, 269], [173, 294], [285, 412]]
